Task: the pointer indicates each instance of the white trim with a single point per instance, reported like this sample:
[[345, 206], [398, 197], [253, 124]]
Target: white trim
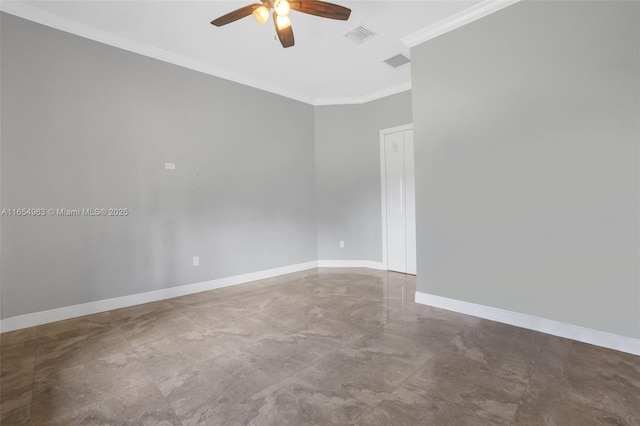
[[383, 200], [556, 328], [396, 129], [350, 264], [67, 312], [43, 317], [31, 13], [383, 188], [465, 17], [25, 11], [356, 100]]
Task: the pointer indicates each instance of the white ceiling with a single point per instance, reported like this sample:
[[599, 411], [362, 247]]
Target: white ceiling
[[323, 67]]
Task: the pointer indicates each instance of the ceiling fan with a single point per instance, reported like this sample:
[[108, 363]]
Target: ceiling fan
[[281, 14]]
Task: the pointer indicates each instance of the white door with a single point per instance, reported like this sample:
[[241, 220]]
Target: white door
[[399, 200]]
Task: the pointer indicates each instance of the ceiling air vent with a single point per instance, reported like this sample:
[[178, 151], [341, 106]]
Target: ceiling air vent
[[360, 34], [398, 61]]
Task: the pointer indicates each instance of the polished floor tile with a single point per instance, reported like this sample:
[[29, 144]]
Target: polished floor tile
[[319, 347]]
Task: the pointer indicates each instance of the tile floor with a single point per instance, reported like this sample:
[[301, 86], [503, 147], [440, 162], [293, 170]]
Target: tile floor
[[325, 346]]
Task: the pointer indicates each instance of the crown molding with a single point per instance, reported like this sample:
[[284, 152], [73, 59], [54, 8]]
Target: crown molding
[[34, 14], [28, 12], [399, 88], [465, 17], [23, 10]]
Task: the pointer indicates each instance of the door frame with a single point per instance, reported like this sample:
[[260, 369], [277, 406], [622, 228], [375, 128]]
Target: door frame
[[383, 187]]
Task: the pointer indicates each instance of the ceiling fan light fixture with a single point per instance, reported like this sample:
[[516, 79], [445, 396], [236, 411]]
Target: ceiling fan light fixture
[[281, 19], [283, 22], [261, 13], [282, 7]]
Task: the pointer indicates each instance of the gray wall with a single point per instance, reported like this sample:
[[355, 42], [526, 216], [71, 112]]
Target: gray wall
[[88, 125], [348, 175], [527, 137]]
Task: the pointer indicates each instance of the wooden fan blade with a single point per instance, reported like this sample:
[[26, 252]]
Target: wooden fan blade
[[321, 8], [235, 15], [285, 35]]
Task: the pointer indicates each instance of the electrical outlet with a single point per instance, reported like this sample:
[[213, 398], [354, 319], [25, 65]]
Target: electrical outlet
[[341, 244], [170, 166], [196, 261]]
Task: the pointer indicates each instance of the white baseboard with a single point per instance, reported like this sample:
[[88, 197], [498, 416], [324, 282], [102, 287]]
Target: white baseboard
[[351, 264], [67, 312], [556, 328]]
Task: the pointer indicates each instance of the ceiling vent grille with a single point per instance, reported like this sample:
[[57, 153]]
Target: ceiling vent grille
[[360, 34], [398, 61]]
